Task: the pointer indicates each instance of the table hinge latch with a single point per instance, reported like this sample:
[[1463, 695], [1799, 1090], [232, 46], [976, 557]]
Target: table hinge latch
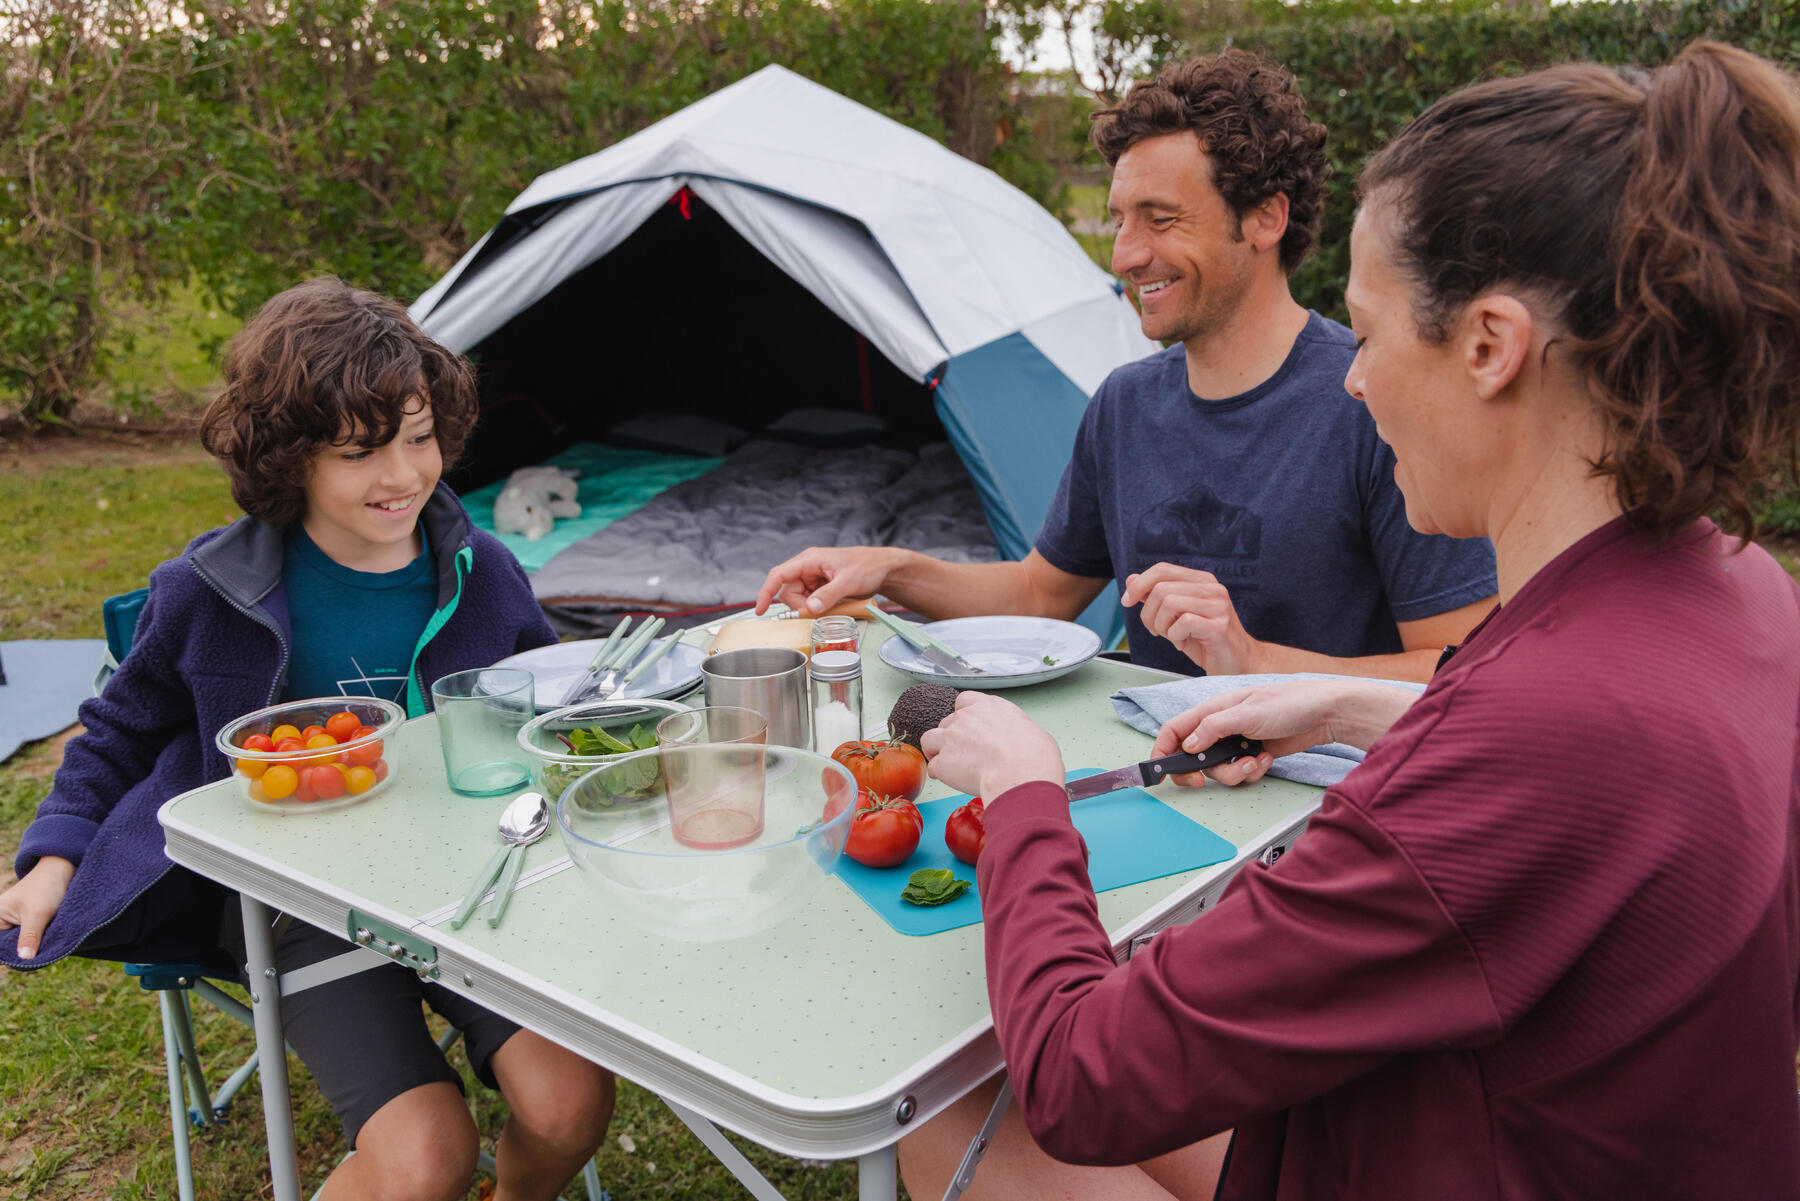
[[407, 950]]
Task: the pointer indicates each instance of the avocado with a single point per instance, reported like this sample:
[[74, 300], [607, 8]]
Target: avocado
[[920, 708]]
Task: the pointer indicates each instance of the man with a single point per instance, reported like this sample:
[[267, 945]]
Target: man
[[1240, 496]]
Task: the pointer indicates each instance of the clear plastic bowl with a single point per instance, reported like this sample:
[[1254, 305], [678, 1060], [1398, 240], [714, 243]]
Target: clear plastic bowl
[[554, 766], [365, 765], [630, 855]]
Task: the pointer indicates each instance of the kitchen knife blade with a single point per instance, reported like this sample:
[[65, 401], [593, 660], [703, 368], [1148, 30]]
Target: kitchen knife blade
[[1152, 772]]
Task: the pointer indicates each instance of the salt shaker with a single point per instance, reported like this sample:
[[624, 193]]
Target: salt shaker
[[837, 691]]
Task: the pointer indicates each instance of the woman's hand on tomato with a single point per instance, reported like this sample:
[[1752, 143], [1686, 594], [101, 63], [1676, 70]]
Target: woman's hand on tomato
[[966, 831], [988, 746], [885, 831], [884, 768]]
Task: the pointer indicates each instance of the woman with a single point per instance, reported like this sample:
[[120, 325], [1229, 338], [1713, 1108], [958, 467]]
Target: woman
[[1545, 941]]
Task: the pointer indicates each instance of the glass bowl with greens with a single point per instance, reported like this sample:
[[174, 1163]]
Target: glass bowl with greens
[[565, 744]]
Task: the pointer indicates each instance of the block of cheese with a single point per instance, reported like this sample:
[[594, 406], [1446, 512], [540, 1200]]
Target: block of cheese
[[793, 632]]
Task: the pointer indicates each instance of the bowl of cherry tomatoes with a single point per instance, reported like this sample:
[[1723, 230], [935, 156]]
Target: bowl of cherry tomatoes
[[314, 755]]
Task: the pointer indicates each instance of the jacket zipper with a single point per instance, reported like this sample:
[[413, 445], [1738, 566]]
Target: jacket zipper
[[266, 622], [464, 558]]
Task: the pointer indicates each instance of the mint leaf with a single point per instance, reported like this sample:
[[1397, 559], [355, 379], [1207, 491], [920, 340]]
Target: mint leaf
[[933, 886], [642, 739]]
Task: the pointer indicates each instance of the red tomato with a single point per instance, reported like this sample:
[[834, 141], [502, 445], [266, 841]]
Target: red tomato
[[885, 768], [311, 732], [258, 742], [342, 726], [884, 832], [364, 755], [290, 744], [327, 781], [966, 831], [381, 770]]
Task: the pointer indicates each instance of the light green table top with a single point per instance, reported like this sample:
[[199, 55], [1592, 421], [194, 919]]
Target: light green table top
[[770, 1035]]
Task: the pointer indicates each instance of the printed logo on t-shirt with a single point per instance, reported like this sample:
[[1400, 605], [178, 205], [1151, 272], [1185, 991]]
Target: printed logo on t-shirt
[[388, 683], [1199, 529]]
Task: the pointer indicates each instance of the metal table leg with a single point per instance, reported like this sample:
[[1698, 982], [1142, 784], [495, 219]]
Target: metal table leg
[[878, 1175], [265, 995]]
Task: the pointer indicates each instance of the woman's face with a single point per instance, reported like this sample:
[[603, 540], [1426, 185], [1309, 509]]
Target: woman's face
[[1421, 401]]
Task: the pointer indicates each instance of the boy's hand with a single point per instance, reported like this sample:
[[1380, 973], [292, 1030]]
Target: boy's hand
[[33, 901]]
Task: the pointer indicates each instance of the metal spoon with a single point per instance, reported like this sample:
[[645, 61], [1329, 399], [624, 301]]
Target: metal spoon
[[522, 823]]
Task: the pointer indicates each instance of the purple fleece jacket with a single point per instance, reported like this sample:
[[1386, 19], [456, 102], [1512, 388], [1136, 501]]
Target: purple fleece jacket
[[212, 644]]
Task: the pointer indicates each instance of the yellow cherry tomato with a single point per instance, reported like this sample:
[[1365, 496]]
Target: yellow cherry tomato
[[320, 739], [280, 781], [284, 731], [256, 792], [253, 767], [359, 779]]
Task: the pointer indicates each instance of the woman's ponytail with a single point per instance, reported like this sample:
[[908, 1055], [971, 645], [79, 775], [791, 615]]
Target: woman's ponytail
[[1659, 214]]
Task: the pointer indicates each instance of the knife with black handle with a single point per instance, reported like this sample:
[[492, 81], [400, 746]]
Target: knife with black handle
[[1152, 772]]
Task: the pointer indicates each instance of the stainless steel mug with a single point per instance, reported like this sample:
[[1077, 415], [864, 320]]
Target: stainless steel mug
[[768, 679]]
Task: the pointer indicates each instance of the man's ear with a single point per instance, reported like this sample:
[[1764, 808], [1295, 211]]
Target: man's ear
[[1265, 224], [1496, 332]]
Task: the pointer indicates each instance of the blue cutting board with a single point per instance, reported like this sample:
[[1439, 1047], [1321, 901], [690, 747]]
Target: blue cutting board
[[1131, 837]]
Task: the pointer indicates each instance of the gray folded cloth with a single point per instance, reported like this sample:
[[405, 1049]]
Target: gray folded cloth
[[1148, 706]]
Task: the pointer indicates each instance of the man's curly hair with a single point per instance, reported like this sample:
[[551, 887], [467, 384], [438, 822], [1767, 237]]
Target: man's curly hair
[[1251, 121]]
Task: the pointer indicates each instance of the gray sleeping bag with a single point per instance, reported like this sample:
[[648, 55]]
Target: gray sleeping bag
[[711, 540]]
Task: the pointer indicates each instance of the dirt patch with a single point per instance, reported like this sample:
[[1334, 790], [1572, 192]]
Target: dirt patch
[[101, 446]]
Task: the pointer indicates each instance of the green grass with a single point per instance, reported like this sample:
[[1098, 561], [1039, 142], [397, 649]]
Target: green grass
[[74, 535]]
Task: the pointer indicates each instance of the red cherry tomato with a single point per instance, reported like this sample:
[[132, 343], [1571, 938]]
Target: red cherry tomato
[[364, 755], [258, 742], [311, 732], [884, 832], [290, 744], [884, 768], [327, 781], [966, 831], [381, 770], [342, 726]]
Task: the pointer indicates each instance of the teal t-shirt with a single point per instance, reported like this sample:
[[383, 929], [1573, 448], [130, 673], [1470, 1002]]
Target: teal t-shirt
[[354, 631]]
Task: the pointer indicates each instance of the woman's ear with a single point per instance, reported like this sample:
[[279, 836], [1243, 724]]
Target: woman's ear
[[1496, 342]]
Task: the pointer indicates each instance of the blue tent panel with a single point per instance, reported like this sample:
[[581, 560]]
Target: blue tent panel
[[1012, 417]]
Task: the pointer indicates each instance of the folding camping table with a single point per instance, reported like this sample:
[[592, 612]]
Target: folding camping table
[[766, 1036]]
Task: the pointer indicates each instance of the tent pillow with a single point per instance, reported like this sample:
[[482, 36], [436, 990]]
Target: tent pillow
[[826, 427], [679, 433]]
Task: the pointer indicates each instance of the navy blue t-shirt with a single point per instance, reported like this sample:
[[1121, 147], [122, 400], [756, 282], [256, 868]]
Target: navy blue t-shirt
[[1284, 493], [354, 631]]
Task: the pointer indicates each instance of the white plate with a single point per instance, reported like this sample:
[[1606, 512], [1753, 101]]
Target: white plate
[[557, 667], [1015, 651]]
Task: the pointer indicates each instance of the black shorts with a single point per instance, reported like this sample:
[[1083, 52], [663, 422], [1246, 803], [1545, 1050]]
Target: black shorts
[[364, 1038]]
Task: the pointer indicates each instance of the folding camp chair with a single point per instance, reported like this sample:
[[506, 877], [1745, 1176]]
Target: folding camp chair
[[190, 1104]]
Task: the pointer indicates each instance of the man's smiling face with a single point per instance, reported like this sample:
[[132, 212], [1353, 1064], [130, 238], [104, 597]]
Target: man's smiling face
[[1178, 244]]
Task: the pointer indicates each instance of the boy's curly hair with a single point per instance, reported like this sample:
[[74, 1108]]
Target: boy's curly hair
[[324, 364], [1251, 121]]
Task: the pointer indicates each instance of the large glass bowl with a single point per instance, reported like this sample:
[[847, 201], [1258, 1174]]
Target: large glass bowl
[[554, 766], [364, 766], [629, 854]]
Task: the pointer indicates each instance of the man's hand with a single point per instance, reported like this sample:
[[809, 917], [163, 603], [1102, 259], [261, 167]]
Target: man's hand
[[1287, 718], [821, 576], [1194, 611], [33, 901], [988, 746]]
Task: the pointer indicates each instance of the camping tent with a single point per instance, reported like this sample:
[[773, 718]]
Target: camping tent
[[776, 245]]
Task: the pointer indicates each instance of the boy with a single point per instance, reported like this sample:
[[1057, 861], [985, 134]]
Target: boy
[[354, 571]]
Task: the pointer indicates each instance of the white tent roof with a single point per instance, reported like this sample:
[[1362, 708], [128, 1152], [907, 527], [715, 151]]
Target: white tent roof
[[959, 258]]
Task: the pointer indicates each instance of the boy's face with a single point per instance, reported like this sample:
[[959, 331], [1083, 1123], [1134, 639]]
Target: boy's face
[[363, 503]]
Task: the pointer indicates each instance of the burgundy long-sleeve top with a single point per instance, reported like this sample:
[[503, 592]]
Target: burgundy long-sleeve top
[[1543, 943]]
